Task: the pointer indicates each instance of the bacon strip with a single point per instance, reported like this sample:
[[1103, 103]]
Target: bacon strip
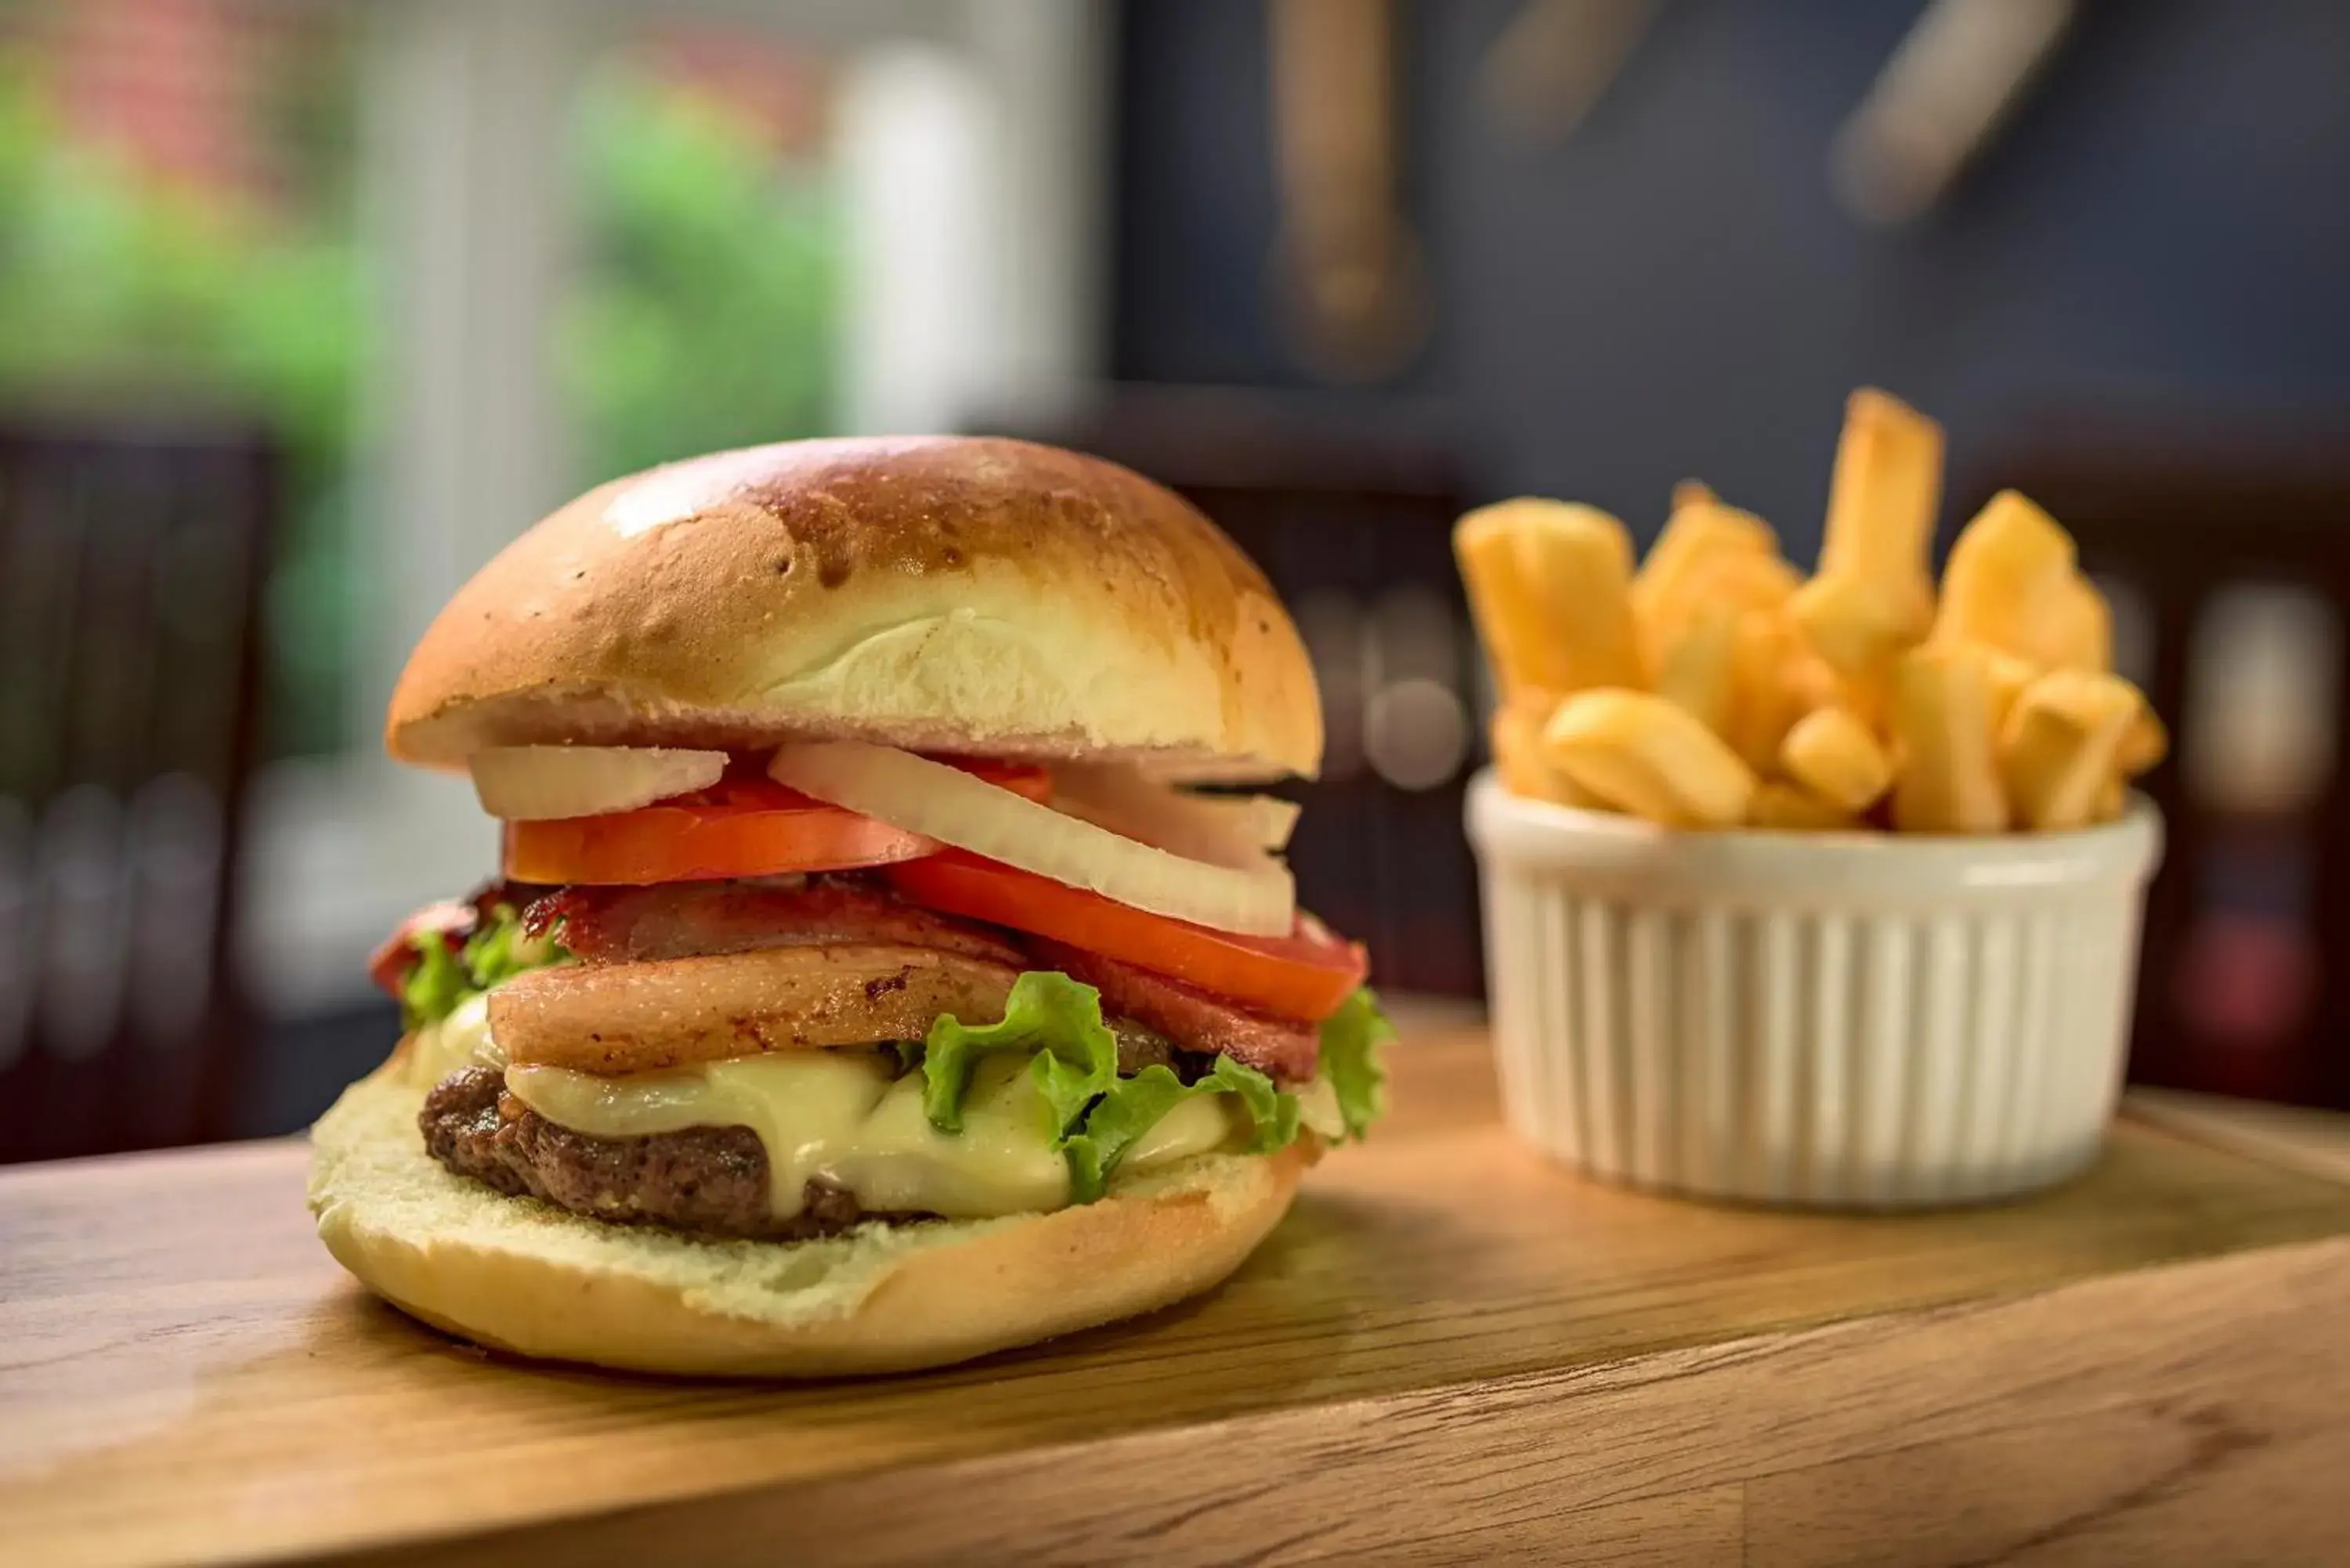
[[698, 920], [642, 1017], [1285, 1049], [691, 971], [452, 920]]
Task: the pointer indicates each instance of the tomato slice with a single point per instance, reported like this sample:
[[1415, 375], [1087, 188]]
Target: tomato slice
[[745, 825], [1305, 974]]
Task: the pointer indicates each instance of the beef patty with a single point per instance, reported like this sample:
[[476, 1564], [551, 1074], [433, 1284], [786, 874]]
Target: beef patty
[[708, 1180]]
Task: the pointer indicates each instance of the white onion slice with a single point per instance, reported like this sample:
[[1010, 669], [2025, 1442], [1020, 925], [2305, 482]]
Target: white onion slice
[[542, 784], [951, 805], [1238, 831]]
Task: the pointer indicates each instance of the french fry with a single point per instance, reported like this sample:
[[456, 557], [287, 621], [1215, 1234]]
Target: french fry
[[1858, 628], [2058, 748], [1791, 809], [1882, 499], [2145, 745], [2113, 799], [1750, 580], [2011, 584], [1776, 681], [1948, 778], [1652, 758], [1548, 586], [1699, 531], [2084, 628], [1835, 757], [1714, 686], [1502, 601], [1579, 563], [1696, 668], [2009, 677], [1517, 752]]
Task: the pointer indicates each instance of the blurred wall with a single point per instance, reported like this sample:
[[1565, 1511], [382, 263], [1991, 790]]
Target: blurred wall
[[1674, 290]]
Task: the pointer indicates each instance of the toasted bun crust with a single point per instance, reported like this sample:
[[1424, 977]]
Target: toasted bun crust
[[938, 593], [520, 1276]]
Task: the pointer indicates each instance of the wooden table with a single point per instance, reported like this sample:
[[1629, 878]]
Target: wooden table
[[1452, 1351]]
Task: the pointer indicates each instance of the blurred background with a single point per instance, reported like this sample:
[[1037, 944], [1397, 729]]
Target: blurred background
[[309, 306]]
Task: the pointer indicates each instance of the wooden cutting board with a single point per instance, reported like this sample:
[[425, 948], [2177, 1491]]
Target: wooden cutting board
[[1450, 1351]]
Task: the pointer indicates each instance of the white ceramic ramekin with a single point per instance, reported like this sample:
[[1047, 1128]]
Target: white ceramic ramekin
[[1842, 1020]]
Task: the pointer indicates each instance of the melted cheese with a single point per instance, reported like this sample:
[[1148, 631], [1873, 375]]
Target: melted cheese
[[855, 1120], [460, 1040]]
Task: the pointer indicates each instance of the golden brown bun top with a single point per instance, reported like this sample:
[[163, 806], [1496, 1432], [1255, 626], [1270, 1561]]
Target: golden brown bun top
[[940, 593]]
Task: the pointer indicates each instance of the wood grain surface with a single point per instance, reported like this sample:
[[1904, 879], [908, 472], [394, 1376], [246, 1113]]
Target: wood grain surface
[[1450, 1351]]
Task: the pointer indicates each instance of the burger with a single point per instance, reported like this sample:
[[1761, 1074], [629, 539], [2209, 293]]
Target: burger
[[887, 964]]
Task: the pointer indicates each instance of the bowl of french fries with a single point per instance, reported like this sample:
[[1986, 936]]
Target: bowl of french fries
[[1812, 889]]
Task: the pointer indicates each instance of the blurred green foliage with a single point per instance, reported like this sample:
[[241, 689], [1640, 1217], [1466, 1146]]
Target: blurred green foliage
[[122, 292], [701, 315], [705, 314]]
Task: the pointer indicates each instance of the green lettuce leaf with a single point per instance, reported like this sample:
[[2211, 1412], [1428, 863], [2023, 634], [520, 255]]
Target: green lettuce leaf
[[493, 954], [1134, 1105], [435, 986], [1099, 1115], [499, 950], [1272, 1112], [1047, 1013], [1130, 1109], [1351, 1038]]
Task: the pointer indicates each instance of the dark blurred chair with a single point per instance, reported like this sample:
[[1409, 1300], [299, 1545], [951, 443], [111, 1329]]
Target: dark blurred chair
[[130, 565], [1348, 508], [2244, 980]]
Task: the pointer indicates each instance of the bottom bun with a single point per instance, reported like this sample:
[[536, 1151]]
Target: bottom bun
[[522, 1276]]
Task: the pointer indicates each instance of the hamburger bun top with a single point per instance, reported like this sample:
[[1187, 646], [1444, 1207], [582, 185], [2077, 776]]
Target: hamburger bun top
[[943, 594]]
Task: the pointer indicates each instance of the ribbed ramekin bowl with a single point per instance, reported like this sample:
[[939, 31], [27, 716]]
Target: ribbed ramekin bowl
[[1836, 1019]]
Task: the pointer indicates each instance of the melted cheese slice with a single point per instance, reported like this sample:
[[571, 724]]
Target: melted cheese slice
[[853, 1119]]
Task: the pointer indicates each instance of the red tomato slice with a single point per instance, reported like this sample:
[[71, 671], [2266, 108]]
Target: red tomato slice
[[1305, 974], [740, 826]]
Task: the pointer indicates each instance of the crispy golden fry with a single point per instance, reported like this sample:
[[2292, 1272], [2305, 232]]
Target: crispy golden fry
[[2011, 584], [1509, 620], [2146, 744], [1698, 532], [2113, 799], [1643, 754], [1579, 561], [1882, 499], [2083, 627], [1715, 686], [1858, 629], [1517, 752], [1791, 809], [2009, 677], [1833, 755], [1749, 581], [2058, 748], [1696, 664], [1948, 778], [1548, 584], [1776, 681]]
